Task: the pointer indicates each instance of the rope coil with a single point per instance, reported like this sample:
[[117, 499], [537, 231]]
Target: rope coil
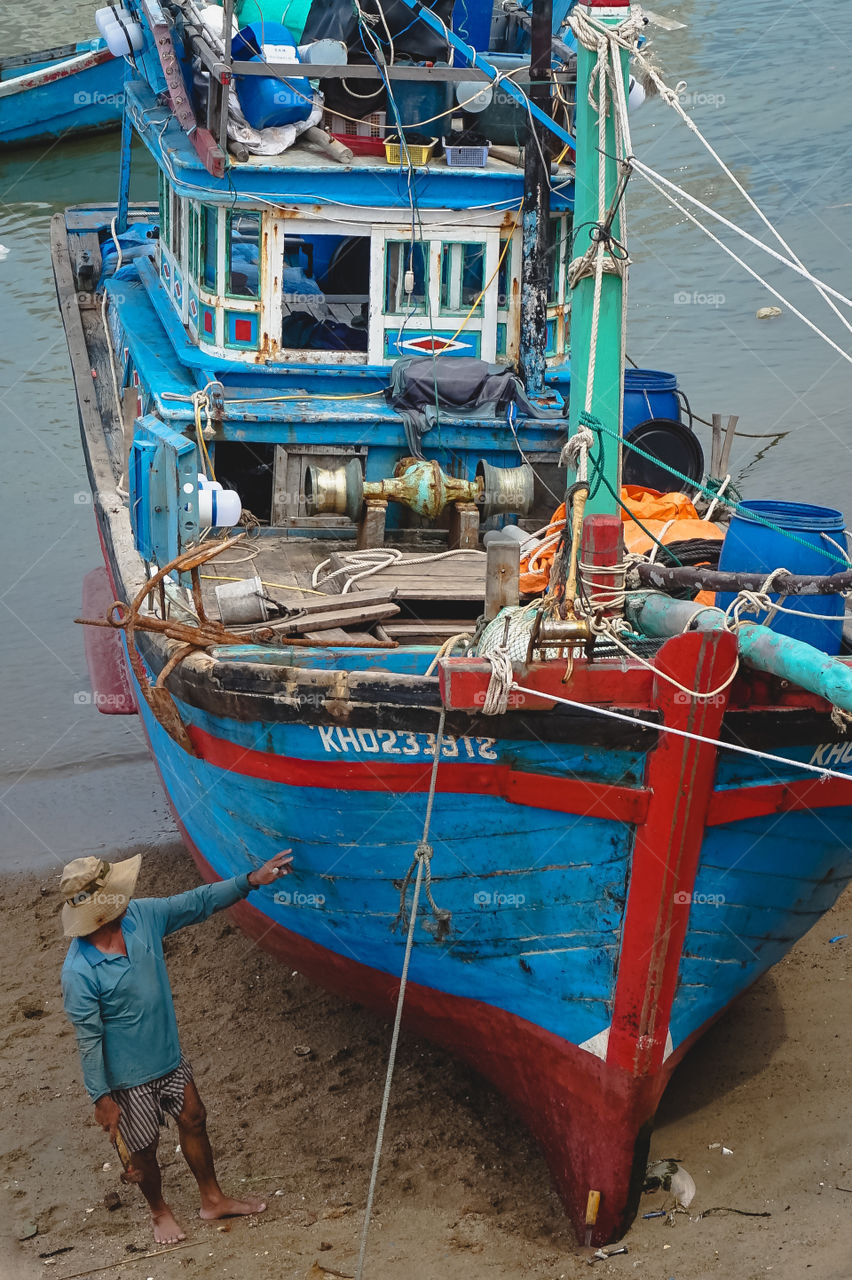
[[500, 682]]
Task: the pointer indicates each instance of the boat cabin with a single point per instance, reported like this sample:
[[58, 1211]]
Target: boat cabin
[[255, 286]]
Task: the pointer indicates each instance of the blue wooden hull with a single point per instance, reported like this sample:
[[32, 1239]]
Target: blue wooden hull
[[82, 93], [521, 883], [527, 981]]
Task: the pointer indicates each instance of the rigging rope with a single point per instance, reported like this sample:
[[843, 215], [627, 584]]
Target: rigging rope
[[421, 858], [824, 774]]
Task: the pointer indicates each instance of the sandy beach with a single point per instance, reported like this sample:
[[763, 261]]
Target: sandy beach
[[292, 1080]]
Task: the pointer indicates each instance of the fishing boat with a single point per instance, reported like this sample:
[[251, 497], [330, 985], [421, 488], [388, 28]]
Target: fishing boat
[[59, 93], [313, 382]]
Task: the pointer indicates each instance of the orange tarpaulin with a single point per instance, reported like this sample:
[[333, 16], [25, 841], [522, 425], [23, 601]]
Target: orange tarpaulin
[[670, 517]]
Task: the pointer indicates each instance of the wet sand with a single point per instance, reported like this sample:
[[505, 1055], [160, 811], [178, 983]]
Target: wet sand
[[463, 1192]]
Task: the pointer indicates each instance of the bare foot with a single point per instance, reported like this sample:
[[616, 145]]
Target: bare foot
[[166, 1230], [227, 1208]]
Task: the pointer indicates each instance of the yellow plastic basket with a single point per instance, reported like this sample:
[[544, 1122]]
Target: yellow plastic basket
[[420, 153]]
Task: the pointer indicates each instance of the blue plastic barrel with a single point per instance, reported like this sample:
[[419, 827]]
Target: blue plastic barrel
[[417, 103], [267, 101], [649, 393], [752, 547]]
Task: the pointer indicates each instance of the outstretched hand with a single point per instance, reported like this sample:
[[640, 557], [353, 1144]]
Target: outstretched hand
[[272, 870]]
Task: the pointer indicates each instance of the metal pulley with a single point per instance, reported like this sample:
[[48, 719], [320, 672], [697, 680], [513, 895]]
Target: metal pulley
[[505, 490]]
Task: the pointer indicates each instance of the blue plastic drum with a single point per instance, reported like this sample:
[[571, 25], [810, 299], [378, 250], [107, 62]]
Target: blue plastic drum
[[649, 393], [266, 100], [751, 547]]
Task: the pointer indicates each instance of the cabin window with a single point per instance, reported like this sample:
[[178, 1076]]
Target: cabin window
[[325, 293], [177, 225], [164, 209], [401, 256], [209, 246], [243, 255], [462, 277], [193, 240], [504, 273]]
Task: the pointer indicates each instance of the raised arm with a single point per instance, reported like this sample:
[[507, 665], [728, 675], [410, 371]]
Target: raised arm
[[197, 904]]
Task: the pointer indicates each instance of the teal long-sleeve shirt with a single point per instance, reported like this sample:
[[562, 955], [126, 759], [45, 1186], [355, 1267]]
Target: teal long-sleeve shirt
[[121, 1007]]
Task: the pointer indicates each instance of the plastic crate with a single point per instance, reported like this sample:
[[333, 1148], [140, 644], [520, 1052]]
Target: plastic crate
[[360, 146], [466, 156], [420, 153], [372, 126]]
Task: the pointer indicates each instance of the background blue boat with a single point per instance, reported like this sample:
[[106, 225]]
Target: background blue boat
[[59, 93]]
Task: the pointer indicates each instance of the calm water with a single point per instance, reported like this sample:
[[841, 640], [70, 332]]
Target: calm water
[[771, 93]]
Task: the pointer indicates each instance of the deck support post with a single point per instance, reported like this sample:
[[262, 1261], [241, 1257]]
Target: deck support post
[[464, 526], [371, 529], [502, 576]]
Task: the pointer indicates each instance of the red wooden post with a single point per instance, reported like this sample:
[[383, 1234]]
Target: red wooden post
[[667, 849], [603, 544]]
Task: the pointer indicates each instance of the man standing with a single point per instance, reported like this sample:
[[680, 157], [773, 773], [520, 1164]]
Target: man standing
[[117, 995]]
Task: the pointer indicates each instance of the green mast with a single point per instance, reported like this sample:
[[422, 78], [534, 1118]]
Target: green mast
[[597, 377]]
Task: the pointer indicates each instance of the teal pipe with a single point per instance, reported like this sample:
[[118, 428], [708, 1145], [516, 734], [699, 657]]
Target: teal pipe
[[657, 615]]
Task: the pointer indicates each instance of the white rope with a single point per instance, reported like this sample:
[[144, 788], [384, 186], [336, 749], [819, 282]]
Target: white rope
[[647, 172], [722, 487], [662, 533], [626, 36], [497, 694], [837, 546], [375, 559], [824, 774], [759, 602], [606, 626], [599, 597], [754, 274], [421, 856], [461, 637], [672, 100], [575, 452], [599, 258]]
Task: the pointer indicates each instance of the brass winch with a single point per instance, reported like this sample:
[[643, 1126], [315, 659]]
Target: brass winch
[[420, 485]]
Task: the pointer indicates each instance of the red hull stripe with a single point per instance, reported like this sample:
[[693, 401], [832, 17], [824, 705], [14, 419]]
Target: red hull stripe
[[777, 797], [538, 790]]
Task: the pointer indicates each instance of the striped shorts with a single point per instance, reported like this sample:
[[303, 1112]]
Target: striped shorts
[[144, 1107]]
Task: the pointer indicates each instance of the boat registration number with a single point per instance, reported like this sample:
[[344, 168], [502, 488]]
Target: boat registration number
[[338, 740], [832, 754]]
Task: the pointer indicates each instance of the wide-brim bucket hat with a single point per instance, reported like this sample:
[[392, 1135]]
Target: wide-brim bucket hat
[[96, 892]]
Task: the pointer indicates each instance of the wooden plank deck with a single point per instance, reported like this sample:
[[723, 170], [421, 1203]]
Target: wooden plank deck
[[285, 566]]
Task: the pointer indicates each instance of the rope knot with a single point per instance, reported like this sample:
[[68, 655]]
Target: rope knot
[[496, 701], [575, 451]]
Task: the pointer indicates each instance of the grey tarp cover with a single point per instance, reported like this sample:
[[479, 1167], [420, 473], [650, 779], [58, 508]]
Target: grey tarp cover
[[422, 386]]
